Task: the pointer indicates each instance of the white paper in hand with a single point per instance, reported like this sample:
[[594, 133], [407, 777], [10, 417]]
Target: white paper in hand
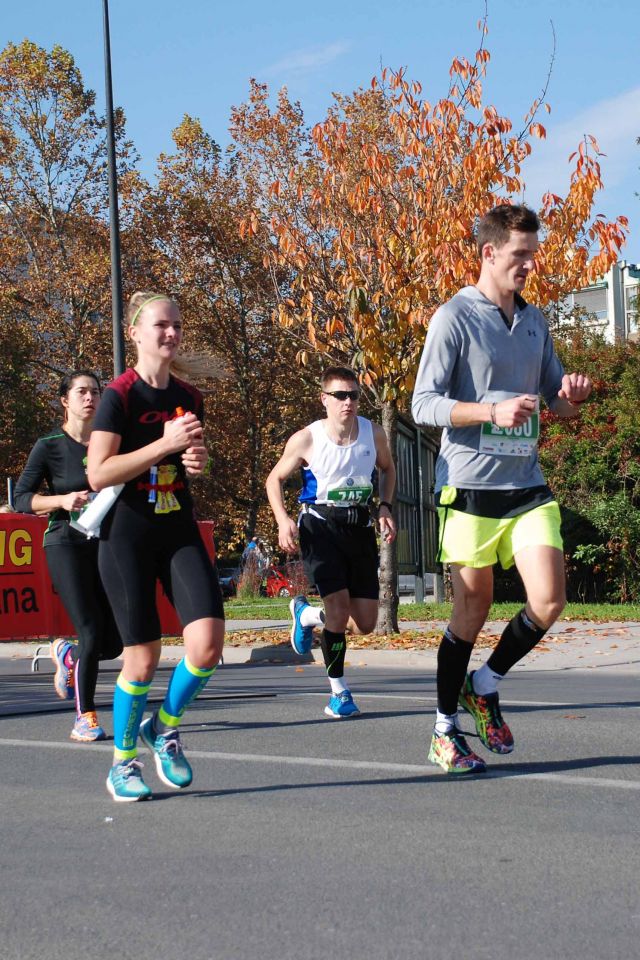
[[92, 516]]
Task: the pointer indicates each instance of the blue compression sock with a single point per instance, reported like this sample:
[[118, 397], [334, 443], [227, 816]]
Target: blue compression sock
[[129, 700], [186, 683]]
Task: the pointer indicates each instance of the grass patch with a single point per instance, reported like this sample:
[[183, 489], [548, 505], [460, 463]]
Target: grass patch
[[593, 612], [258, 608], [276, 608]]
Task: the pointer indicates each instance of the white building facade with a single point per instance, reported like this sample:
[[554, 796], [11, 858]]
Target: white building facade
[[613, 303]]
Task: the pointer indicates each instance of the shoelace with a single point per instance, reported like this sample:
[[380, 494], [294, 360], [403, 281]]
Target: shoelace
[[458, 738], [492, 709], [132, 769], [90, 718], [171, 745], [460, 733], [70, 679]]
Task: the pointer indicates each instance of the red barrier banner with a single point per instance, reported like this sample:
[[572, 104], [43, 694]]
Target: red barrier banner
[[29, 606]]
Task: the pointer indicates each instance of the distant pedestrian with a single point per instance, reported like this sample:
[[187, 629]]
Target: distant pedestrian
[[250, 552]]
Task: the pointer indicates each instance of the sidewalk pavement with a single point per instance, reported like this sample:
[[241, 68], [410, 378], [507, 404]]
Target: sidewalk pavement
[[569, 645]]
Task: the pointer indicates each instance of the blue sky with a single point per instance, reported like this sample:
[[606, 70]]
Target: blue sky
[[196, 57]]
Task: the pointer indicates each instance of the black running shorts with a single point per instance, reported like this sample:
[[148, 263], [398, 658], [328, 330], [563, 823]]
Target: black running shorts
[[135, 553], [339, 557]]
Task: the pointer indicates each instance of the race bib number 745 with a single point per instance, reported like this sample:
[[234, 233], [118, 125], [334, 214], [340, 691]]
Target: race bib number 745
[[349, 491]]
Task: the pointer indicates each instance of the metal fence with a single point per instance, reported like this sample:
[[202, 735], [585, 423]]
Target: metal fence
[[416, 511]]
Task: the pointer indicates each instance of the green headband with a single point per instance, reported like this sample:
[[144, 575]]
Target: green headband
[[157, 296]]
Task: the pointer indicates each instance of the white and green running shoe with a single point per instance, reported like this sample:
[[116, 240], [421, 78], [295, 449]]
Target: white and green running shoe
[[171, 764], [125, 783]]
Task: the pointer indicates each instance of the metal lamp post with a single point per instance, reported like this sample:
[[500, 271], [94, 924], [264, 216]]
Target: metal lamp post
[[114, 220]]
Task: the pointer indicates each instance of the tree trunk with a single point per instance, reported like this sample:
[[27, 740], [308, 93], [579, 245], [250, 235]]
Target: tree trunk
[[388, 609]]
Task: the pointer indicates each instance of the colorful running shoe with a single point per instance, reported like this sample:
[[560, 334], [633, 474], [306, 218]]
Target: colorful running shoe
[[485, 710], [301, 637], [172, 765], [452, 752], [125, 783], [64, 679], [341, 706], [86, 729]]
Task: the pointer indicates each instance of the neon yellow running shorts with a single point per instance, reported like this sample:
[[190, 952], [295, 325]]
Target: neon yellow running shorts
[[481, 541]]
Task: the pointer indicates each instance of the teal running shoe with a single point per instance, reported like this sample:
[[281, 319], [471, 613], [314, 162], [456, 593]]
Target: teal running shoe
[[125, 783], [301, 637], [64, 680], [171, 764], [341, 706]]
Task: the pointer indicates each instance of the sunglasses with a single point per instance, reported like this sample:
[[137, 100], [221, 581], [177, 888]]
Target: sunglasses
[[343, 394]]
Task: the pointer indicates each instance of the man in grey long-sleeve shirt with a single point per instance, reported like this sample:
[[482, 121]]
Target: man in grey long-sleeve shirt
[[487, 360]]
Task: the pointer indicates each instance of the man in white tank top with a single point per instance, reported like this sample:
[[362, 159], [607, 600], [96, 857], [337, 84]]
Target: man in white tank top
[[335, 533]]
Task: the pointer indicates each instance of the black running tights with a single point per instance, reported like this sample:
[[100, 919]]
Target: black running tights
[[73, 568]]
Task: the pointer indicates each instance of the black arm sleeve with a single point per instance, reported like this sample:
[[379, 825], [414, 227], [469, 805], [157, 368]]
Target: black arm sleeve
[[35, 471]]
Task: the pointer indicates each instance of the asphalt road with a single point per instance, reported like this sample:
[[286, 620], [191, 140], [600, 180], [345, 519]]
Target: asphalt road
[[307, 838]]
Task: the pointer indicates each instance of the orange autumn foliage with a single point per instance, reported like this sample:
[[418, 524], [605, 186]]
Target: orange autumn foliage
[[373, 211], [371, 217]]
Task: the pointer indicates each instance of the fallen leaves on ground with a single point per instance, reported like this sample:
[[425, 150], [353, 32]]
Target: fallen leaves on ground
[[405, 640], [426, 639]]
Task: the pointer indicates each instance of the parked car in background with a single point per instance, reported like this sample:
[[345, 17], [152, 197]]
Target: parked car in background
[[287, 580], [228, 577], [277, 584]]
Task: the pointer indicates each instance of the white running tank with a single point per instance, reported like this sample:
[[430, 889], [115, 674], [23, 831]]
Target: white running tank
[[339, 475]]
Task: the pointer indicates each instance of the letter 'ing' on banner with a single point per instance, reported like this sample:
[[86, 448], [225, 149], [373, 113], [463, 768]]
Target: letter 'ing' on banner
[[24, 581], [29, 606]]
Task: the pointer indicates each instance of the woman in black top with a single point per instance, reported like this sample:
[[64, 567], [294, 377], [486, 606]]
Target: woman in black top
[[59, 460]]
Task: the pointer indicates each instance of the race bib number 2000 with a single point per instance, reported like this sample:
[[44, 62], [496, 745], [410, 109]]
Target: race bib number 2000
[[510, 441]]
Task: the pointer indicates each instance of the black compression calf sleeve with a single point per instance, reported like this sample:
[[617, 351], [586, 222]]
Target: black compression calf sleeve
[[334, 647], [453, 659], [519, 637]]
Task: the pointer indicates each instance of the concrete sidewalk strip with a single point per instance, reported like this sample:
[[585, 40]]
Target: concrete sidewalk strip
[[568, 645]]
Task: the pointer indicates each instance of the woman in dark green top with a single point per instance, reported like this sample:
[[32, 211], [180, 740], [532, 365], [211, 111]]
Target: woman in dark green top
[[59, 461]]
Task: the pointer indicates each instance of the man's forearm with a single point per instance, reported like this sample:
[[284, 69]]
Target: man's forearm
[[276, 499], [387, 485], [471, 414], [565, 409]]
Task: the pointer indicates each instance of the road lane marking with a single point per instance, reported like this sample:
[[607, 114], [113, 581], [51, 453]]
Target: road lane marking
[[415, 769], [433, 699]]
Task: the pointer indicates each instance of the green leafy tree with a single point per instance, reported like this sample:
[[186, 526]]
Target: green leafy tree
[[593, 465]]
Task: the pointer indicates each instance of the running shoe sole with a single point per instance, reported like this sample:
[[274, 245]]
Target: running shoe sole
[[112, 791], [342, 716], [69, 691], [78, 738]]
